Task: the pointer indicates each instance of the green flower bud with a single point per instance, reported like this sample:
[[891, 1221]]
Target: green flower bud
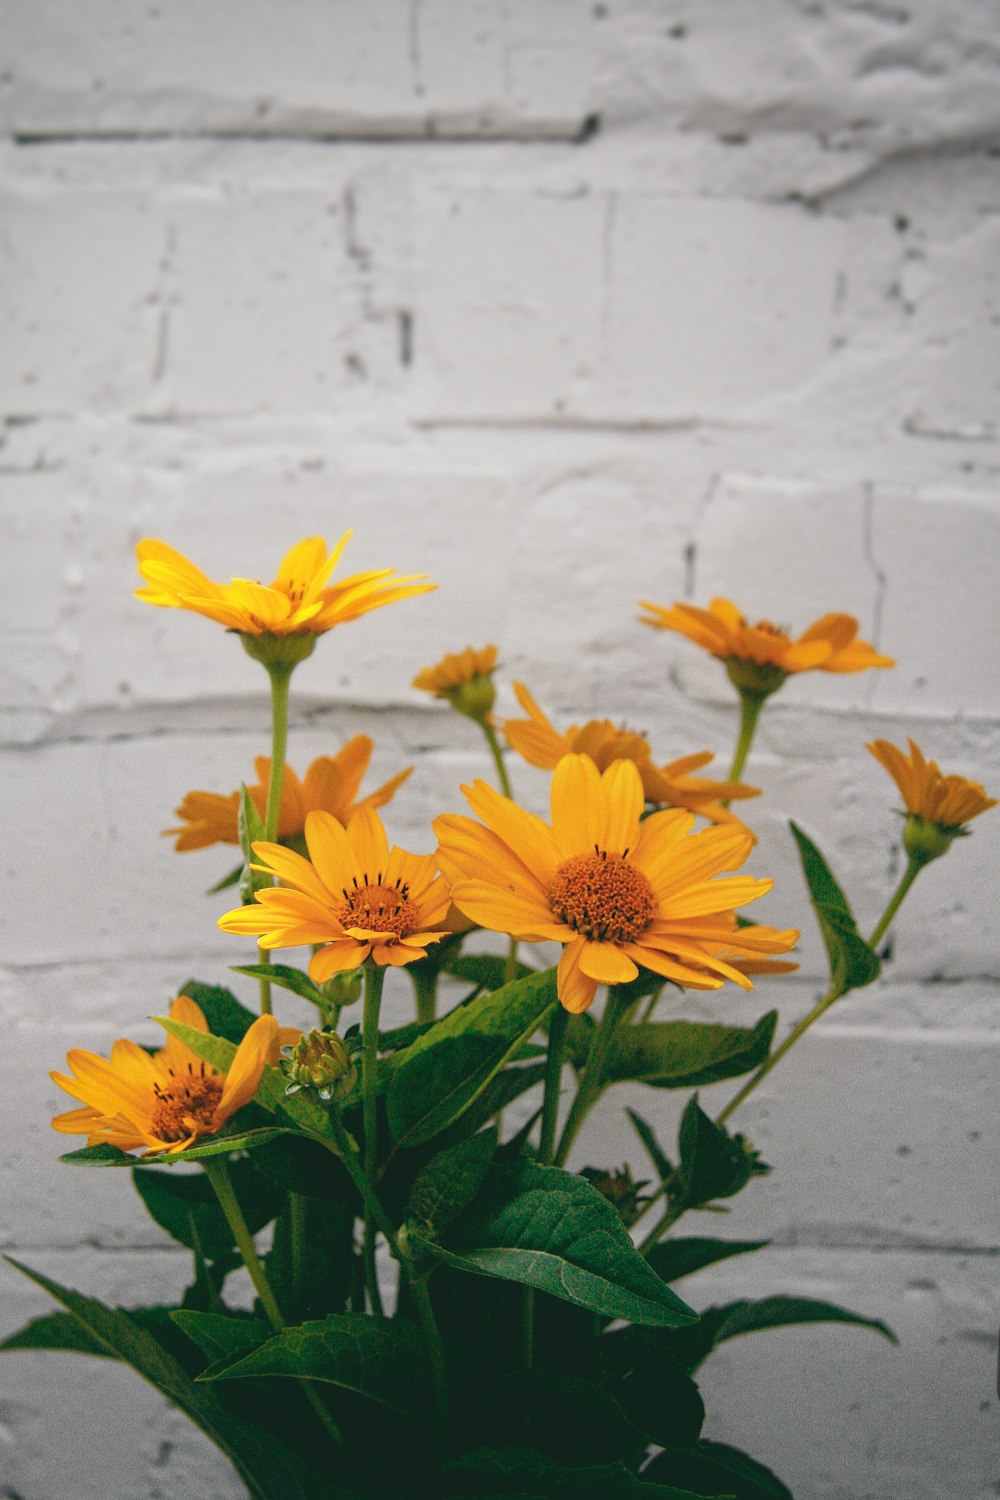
[[620, 1189], [924, 841], [319, 1060], [754, 679], [474, 697]]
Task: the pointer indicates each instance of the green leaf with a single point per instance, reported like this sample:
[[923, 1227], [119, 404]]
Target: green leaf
[[853, 964], [568, 1419], [647, 1135], [185, 1205], [381, 1358], [714, 1164], [660, 1397], [680, 1054], [715, 1468], [485, 970], [681, 1257], [101, 1155], [233, 878], [450, 1181], [305, 1111], [221, 1336], [286, 978], [266, 1466], [549, 1229], [521, 1471], [252, 831], [691, 1346], [225, 1015], [56, 1331], [496, 1096], [445, 1070]]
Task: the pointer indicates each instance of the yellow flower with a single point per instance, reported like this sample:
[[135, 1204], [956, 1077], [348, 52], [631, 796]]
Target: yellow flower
[[829, 645], [948, 801], [168, 1101], [296, 603], [331, 785], [464, 678], [353, 894], [617, 890], [541, 744]]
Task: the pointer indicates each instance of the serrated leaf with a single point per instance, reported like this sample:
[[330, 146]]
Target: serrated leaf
[[723, 1470], [449, 1181], [376, 1357], [675, 1258], [713, 1163], [853, 964], [551, 1230], [56, 1331], [647, 1135], [685, 1054], [286, 978], [444, 1071], [266, 1466]]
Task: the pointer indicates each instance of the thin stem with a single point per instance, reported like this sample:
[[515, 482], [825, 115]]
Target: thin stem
[[510, 967], [659, 1229], [280, 676], [750, 707], [553, 1075], [374, 979], [593, 1075], [435, 1351], [819, 1009], [217, 1173], [425, 989], [910, 874]]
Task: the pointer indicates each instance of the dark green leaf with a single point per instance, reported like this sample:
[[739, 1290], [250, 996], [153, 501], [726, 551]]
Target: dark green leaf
[[783, 1312], [647, 1135], [713, 1164], [311, 1260], [450, 1181], [715, 1468], [853, 964], [437, 1078], [57, 1331], [520, 1471], [680, 1054], [185, 1205], [220, 1336], [676, 1258], [303, 1166], [233, 878], [660, 1397], [286, 978], [225, 1015], [266, 1466], [549, 1229], [486, 970], [376, 1357], [571, 1420], [496, 1096], [101, 1155]]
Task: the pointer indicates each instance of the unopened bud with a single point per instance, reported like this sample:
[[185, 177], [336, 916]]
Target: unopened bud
[[474, 697], [924, 841], [619, 1188], [320, 1061]]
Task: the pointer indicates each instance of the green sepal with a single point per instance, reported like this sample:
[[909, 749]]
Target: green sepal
[[685, 1054], [853, 964]]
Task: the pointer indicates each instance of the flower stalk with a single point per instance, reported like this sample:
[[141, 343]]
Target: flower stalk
[[374, 980], [591, 1083]]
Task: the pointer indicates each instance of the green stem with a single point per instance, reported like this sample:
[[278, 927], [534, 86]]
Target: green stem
[[659, 1229], [819, 1009], [280, 675], [435, 1351], [553, 1075], [750, 707], [374, 979], [593, 1075], [910, 874], [510, 967], [425, 988], [217, 1173]]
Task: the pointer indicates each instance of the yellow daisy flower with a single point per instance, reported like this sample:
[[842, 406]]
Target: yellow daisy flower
[[541, 744], [464, 678], [353, 894], [617, 890], [948, 801], [331, 784], [167, 1101], [298, 602], [829, 645]]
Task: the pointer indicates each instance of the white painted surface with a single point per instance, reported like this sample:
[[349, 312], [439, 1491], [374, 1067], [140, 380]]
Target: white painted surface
[[565, 305]]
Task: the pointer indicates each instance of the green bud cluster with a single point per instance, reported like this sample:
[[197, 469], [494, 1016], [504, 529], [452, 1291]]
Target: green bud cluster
[[320, 1061]]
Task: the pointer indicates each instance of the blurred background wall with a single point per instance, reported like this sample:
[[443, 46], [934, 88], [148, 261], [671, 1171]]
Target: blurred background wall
[[565, 304]]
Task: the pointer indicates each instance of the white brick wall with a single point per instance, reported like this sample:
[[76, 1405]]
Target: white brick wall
[[567, 305]]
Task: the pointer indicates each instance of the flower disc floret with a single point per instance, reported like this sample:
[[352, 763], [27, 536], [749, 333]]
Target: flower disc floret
[[189, 1101], [380, 908], [603, 897]]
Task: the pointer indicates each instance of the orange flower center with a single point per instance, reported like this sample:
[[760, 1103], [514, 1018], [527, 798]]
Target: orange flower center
[[768, 627], [602, 896], [379, 908], [190, 1102]]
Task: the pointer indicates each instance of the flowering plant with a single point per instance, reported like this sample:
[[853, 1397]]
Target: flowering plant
[[444, 1307]]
